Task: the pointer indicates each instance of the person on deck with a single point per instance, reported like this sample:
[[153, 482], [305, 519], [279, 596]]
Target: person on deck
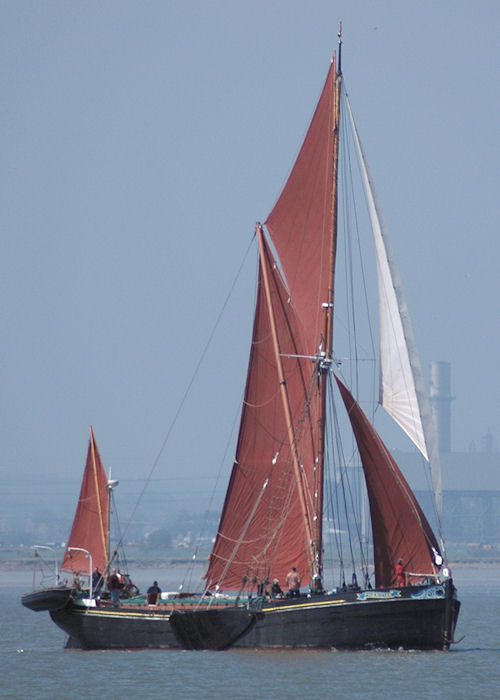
[[114, 585], [97, 581], [400, 574], [276, 591], [153, 592], [293, 583]]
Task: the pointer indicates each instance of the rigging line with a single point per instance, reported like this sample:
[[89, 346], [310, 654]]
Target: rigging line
[[348, 255], [344, 477], [116, 556], [189, 386], [342, 481], [334, 439], [349, 146], [352, 244], [188, 574], [238, 543]]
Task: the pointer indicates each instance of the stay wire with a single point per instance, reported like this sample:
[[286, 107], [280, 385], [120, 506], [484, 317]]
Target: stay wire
[[188, 389]]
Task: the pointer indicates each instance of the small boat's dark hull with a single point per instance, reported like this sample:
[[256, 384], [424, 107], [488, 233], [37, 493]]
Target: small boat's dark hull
[[127, 627], [47, 598], [420, 617]]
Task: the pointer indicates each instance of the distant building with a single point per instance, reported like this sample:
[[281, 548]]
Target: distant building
[[471, 493]]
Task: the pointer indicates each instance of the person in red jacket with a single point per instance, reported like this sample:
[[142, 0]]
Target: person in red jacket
[[400, 574]]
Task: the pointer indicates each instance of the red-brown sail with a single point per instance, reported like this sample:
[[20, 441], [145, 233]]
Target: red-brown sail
[[90, 525], [262, 532], [301, 223], [400, 528], [265, 530]]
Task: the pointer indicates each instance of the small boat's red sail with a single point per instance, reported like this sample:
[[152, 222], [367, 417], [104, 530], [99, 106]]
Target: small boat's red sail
[[400, 528], [90, 525]]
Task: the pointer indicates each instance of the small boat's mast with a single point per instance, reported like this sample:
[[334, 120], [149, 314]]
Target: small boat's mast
[[103, 532], [112, 484]]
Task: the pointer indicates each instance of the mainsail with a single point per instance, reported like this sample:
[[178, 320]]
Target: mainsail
[[90, 524], [272, 516]]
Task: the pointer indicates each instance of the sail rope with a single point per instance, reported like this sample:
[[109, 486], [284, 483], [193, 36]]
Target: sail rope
[[242, 535], [259, 567], [186, 581], [353, 250], [346, 500], [188, 388], [344, 496], [423, 431]]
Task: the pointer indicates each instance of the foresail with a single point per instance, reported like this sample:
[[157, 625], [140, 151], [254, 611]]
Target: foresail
[[400, 528], [90, 525], [262, 532], [402, 389]]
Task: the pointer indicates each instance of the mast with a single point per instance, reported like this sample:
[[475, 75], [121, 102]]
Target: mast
[[287, 410], [325, 358]]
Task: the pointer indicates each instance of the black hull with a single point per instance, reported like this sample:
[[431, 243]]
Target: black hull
[[47, 598], [395, 624], [414, 618], [410, 618]]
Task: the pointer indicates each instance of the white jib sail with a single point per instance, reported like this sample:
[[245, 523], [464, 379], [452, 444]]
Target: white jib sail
[[402, 388]]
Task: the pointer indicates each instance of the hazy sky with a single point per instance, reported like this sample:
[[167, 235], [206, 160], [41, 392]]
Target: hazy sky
[[141, 141]]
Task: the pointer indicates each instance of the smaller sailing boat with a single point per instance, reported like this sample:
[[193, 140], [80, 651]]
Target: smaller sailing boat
[[86, 560], [273, 514]]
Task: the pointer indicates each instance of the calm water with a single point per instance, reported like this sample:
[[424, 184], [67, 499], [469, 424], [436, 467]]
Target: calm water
[[33, 663]]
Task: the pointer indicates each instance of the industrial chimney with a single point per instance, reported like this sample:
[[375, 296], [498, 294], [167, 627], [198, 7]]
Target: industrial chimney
[[441, 398]]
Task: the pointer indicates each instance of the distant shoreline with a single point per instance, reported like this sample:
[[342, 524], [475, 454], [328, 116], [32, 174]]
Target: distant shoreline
[[24, 576], [140, 564], [21, 565]]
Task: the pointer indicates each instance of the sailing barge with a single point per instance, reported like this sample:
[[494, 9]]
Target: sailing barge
[[273, 515]]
